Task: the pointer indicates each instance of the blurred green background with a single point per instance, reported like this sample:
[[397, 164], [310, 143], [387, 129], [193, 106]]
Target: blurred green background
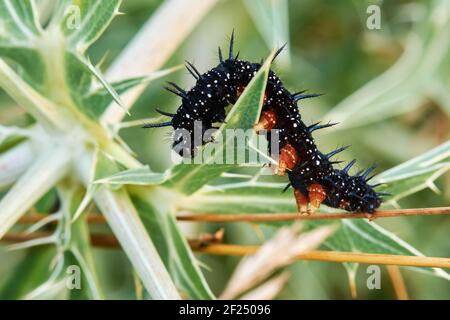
[[330, 51]]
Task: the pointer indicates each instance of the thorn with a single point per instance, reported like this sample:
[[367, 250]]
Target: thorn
[[317, 126], [368, 170], [370, 178], [199, 75], [433, 187], [158, 125], [286, 188], [336, 162], [297, 93], [298, 97], [334, 152], [177, 87], [384, 194], [348, 166], [237, 56], [220, 54], [230, 57], [278, 52], [165, 113], [375, 185], [175, 92], [180, 92], [191, 72], [312, 126], [301, 165], [353, 194]]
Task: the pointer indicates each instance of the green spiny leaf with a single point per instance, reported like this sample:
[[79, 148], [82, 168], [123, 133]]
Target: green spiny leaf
[[188, 178], [172, 247], [18, 21], [86, 20], [139, 176], [416, 174], [31, 271], [95, 102], [357, 236]]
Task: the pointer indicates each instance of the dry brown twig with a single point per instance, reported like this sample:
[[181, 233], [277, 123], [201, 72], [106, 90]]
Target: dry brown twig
[[229, 249], [278, 252], [265, 217], [269, 289], [398, 282], [95, 218], [337, 256], [109, 241]]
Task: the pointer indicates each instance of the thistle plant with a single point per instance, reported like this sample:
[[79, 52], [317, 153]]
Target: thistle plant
[[72, 152]]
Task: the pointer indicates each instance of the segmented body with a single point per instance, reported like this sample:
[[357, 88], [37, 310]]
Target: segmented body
[[311, 173]]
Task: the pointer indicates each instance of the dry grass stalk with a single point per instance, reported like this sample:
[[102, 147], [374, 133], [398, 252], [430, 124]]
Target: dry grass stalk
[[264, 217], [269, 289], [95, 218], [398, 282], [279, 251], [337, 256], [109, 241]]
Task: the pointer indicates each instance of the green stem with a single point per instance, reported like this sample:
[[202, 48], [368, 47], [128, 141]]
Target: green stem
[[42, 109], [122, 217], [14, 162], [50, 166], [124, 221]]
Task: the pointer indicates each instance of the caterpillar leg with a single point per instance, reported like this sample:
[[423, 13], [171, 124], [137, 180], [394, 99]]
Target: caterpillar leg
[[317, 195], [287, 160], [267, 121], [302, 201], [344, 204]]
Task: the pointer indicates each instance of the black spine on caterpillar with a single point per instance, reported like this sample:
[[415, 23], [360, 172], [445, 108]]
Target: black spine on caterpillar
[[351, 193], [222, 85], [203, 104]]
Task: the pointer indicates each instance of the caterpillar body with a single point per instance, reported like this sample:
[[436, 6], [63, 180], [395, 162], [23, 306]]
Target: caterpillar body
[[310, 172]]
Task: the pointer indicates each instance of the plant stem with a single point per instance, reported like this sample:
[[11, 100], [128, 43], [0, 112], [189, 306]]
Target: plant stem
[[95, 218], [41, 108], [14, 162], [121, 215], [124, 221], [109, 241], [48, 168], [265, 217], [336, 256], [398, 282]]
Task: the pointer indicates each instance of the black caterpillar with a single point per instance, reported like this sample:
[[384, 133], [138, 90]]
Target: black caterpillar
[[311, 173]]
